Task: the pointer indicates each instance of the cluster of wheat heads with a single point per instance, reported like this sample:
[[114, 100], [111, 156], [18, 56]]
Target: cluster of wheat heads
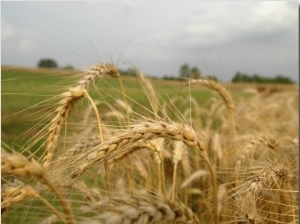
[[223, 161]]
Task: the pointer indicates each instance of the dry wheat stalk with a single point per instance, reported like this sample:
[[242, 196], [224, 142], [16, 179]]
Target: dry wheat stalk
[[64, 106]]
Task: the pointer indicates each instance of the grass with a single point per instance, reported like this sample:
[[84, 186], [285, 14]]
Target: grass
[[209, 154]]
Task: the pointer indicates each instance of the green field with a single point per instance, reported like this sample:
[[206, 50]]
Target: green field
[[27, 93]]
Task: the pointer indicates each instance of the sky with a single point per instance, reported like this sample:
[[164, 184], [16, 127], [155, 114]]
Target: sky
[[157, 37]]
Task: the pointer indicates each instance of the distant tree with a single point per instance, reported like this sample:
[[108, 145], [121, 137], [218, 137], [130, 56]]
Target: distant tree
[[282, 79], [237, 77], [187, 72], [128, 72], [167, 77], [256, 78], [47, 63], [241, 77], [184, 71], [195, 73]]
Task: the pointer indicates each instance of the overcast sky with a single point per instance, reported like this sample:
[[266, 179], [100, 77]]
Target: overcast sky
[[157, 37]]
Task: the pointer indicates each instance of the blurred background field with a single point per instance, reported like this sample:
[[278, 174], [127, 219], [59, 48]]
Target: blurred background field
[[25, 92]]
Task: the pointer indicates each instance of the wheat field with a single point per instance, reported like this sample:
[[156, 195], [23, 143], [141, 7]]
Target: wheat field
[[173, 160]]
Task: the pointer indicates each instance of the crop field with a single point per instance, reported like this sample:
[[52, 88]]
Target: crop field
[[98, 147]]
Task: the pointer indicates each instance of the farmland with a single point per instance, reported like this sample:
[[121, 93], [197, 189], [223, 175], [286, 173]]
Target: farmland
[[153, 151]]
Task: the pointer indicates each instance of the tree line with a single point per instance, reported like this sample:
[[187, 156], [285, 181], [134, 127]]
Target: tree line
[[186, 72], [51, 63], [256, 78]]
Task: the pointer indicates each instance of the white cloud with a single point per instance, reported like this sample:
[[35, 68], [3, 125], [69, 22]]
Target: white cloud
[[26, 44], [16, 40], [8, 31], [233, 21]]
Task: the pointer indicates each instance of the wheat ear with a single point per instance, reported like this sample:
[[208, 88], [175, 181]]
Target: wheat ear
[[218, 88], [249, 149], [269, 176], [64, 106], [226, 96], [143, 210], [148, 131], [14, 194], [137, 133], [18, 164], [150, 93]]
